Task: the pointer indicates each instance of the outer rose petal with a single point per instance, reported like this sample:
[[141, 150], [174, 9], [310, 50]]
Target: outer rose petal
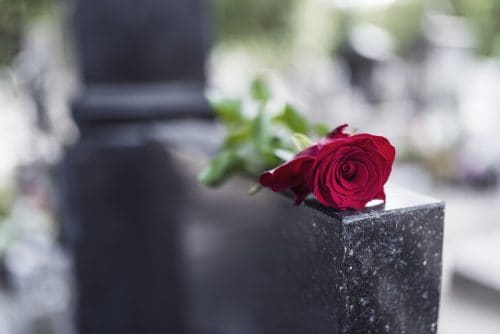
[[387, 150], [311, 151], [294, 174], [288, 175], [381, 195], [381, 144], [338, 132], [300, 193]]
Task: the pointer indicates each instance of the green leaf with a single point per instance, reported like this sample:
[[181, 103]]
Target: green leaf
[[271, 160], [293, 119], [220, 168], [238, 136], [321, 129], [301, 141], [253, 162], [261, 131], [284, 155], [229, 111], [260, 90]]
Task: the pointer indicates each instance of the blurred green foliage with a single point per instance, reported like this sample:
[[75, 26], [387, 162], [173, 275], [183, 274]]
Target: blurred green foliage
[[253, 20], [402, 20], [259, 136], [14, 16], [6, 200], [274, 24], [8, 231], [484, 15]]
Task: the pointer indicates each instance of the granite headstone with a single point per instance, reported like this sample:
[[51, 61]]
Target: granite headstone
[[262, 265]]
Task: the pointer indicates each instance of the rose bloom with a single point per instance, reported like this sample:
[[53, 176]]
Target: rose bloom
[[343, 171]]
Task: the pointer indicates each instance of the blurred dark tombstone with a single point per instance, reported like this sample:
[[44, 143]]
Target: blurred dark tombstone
[[141, 65], [140, 60], [130, 41]]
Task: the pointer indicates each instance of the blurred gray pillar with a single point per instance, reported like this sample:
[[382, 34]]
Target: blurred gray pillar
[[140, 62]]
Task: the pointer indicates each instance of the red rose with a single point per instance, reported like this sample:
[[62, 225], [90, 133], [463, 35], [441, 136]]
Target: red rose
[[342, 171]]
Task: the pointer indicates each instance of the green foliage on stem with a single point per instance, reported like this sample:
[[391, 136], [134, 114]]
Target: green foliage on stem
[[258, 137], [293, 119], [219, 168]]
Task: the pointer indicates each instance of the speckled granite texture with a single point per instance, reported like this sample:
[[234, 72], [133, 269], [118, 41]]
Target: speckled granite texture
[[390, 274], [261, 265]]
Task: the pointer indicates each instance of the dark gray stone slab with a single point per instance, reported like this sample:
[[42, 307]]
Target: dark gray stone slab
[[262, 265]]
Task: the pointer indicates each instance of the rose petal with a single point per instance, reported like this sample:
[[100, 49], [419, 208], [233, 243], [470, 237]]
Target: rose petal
[[338, 132], [288, 175]]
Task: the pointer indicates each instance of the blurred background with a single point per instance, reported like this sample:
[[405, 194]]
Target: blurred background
[[425, 74]]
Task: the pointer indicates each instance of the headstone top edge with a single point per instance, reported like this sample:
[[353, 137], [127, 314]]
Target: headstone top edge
[[398, 199]]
